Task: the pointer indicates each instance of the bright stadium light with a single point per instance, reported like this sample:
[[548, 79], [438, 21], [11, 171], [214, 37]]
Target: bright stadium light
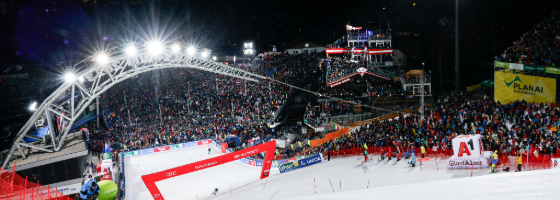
[[204, 54], [81, 79], [155, 48], [102, 59], [33, 106], [130, 50], [176, 48], [69, 77], [191, 50], [214, 58]]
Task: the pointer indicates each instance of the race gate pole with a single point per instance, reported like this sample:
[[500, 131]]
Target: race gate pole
[[264, 184], [331, 185], [368, 183], [315, 186]]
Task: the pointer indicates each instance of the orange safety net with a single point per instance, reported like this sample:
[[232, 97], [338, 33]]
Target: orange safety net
[[329, 137], [14, 187]]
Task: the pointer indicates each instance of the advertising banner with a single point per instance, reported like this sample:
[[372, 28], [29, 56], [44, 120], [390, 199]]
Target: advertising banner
[[224, 146], [554, 163], [552, 70], [510, 87], [468, 147], [160, 149], [310, 161], [203, 142], [287, 167]]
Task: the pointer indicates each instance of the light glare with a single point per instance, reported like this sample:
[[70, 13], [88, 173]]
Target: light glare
[[204, 54], [191, 50], [33, 106], [155, 48], [70, 77], [131, 50], [175, 48], [102, 59]]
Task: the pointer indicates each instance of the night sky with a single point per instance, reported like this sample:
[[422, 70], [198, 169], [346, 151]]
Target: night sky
[[48, 32]]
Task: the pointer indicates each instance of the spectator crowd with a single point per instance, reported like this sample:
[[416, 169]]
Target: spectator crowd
[[539, 46], [178, 105]]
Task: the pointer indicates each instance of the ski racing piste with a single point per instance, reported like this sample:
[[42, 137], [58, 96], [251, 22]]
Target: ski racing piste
[[268, 147], [468, 152]]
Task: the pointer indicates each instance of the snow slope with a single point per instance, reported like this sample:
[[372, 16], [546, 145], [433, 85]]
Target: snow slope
[[541, 184], [196, 185], [343, 176]]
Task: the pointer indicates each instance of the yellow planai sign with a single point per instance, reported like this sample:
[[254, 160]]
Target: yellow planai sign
[[510, 87]]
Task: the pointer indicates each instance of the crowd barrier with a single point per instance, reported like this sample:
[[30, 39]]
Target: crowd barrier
[[329, 137], [14, 187], [435, 159]]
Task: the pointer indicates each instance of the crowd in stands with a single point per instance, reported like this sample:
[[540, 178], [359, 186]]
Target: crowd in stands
[[334, 108], [507, 128], [178, 105], [538, 46]]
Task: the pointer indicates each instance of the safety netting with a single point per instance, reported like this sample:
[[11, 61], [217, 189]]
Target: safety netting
[[14, 187]]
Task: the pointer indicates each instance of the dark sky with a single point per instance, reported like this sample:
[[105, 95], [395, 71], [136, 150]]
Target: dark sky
[[52, 31]]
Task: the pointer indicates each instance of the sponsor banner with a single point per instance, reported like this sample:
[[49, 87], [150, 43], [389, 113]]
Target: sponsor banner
[[554, 163], [310, 161], [131, 153], [453, 163], [176, 146], [468, 147], [538, 69], [510, 87], [287, 167], [516, 66], [552, 70], [224, 147], [474, 87], [147, 151], [203, 142], [501, 64], [160, 149]]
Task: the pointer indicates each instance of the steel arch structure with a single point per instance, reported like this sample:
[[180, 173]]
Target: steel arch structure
[[91, 80]]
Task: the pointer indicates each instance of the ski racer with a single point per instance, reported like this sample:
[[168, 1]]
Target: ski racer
[[389, 153], [494, 161], [215, 191]]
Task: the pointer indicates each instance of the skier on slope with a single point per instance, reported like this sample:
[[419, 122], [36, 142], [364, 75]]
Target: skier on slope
[[389, 153], [215, 191], [407, 156], [365, 155], [494, 161], [382, 154], [412, 159], [209, 151]]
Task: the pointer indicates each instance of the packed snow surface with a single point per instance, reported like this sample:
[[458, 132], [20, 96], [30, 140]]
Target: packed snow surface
[[340, 178]]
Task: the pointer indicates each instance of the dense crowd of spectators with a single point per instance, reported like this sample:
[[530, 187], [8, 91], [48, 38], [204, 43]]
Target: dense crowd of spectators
[[538, 46], [508, 128], [324, 109], [177, 105]]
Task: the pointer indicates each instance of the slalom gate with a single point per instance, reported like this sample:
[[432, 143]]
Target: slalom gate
[[14, 187]]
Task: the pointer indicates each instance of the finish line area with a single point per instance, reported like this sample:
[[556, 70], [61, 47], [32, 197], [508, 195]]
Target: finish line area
[[195, 185]]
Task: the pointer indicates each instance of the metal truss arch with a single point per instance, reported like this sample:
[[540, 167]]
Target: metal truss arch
[[91, 80]]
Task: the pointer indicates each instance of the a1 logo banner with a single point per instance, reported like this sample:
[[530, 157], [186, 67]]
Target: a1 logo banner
[[554, 163], [468, 147]]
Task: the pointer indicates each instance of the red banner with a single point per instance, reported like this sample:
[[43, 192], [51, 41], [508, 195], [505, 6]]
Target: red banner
[[224, 147], [159, 149], [151, 179], [203, 142]]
